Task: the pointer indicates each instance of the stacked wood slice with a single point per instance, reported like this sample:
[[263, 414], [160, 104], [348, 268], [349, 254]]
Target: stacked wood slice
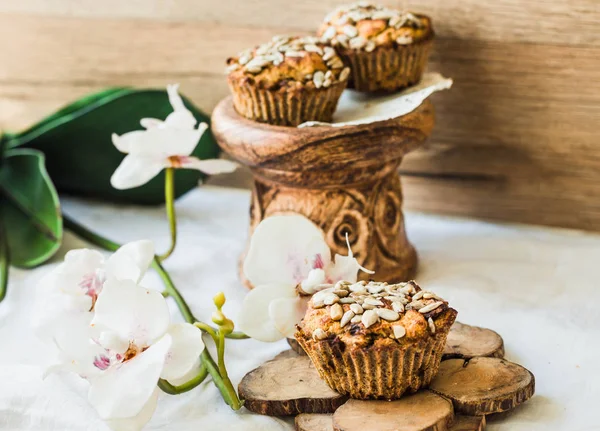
[[473, 381]]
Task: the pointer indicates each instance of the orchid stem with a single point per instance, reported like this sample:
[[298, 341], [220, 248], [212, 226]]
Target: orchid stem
[[236, 403], [172, 291], [4, 260], [208, 329], [170, 204], [88, 235], [170, 389]]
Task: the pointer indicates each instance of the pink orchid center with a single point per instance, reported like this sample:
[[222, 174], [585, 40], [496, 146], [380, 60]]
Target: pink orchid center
[[104, 361], [92, 284], [178, 161]]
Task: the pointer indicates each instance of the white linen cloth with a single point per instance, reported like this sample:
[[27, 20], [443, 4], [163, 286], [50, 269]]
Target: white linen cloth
[[537, 287]]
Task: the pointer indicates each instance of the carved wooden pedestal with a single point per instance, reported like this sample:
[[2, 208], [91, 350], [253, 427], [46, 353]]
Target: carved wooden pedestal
[[343, 179]]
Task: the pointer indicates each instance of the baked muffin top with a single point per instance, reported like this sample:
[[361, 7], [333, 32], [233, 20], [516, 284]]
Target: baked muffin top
[[362, 314], [365, 26], [289, 62]]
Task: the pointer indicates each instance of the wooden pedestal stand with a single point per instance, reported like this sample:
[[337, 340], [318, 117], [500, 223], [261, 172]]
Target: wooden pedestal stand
[[344, 179]]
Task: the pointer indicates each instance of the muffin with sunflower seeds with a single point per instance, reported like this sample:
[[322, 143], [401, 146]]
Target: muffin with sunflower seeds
[[386, 50], [287, 81]]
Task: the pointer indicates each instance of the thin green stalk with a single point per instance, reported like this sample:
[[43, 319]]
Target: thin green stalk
[[170, 389], [88, 235], [227, 391], [4, 260], [170, 205], [236, 404], [172, 291], [209, 330]]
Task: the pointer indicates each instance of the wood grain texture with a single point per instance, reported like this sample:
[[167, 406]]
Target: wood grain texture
[[466, 342], [423, 411], [482, 385], [515, 138], [288, 386], [570, 22], [468, 423], [341, 178]]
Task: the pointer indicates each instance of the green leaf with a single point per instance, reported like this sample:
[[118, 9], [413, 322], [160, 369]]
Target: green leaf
[[4, 260], [29, 208], [80, 156]]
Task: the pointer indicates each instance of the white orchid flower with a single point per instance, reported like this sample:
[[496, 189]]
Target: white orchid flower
[[163, 144], [66, 297], [288, 260], [139, 345]]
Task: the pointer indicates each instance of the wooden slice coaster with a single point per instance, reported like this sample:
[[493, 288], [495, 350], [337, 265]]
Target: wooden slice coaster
[[466, 342], [296, 347], [288, 386], [468, 423], [483, 385], [423, 411], [314, 422], [285, 355]]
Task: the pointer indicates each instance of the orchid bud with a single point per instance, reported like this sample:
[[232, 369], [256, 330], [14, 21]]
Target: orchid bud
[[218, 317], [219, 300]]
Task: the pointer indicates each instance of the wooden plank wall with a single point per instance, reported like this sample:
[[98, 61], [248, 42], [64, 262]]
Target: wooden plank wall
[[516, 138]]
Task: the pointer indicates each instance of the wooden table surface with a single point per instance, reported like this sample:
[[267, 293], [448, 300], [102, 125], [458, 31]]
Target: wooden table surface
[[516, 138]]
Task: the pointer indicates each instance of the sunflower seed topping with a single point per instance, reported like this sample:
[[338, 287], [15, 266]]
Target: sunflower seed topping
[[387, 314], [357, 309], [375, 288], [318, 78], [331, 299], [336, 312], [399, 331], [341, 25], [430, 307], [373, 301], [358, 42], [404, 39], [328, 53], [344, 74], [244, 59], [281, 47], [329, 33], [369, 318], [341, 292], [231, 68], [358, 288], [398, 307], [418, 295], [415, 305], [254, 70], [431, 325], [346, 318], [369, 303], [319, 334]]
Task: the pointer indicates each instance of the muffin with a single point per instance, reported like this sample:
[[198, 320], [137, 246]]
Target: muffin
[[386, 50], [287, 81], [376, 340]]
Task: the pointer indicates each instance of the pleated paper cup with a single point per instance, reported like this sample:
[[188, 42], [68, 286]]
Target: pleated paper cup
[[385, 370], [387, 68], [286, 108]]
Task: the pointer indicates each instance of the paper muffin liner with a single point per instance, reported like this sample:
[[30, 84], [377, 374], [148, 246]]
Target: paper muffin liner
[[387, 68], [384, 372], [285, 108]]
